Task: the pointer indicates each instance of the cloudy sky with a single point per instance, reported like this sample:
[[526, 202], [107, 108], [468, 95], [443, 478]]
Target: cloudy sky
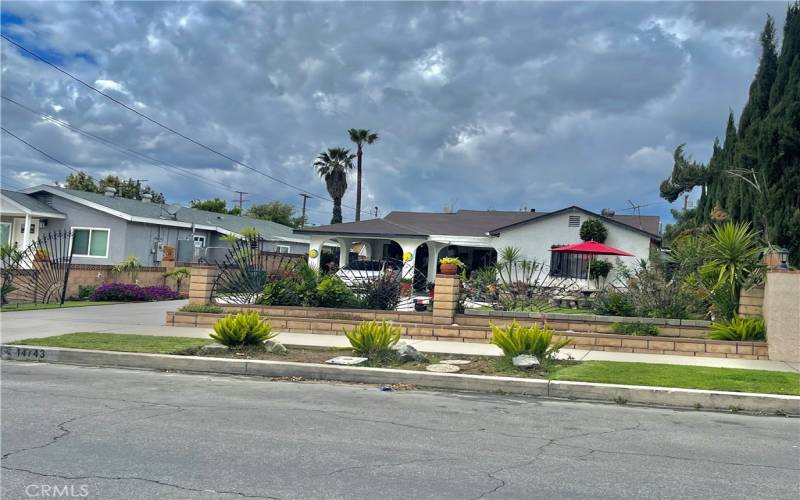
[[480, 106]]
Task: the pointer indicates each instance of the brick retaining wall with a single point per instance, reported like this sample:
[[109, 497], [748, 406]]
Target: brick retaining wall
[[315, 321]]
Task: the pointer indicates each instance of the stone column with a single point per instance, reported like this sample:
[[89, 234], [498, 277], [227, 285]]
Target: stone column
[[782, 314], [445, 299], [201, 283]]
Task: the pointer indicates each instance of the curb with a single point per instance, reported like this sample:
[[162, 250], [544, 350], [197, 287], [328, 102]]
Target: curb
[[659, 396]]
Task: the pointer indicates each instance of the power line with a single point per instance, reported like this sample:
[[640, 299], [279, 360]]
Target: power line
[[129, 152], [115, 146], [165, 127], [39, 150]]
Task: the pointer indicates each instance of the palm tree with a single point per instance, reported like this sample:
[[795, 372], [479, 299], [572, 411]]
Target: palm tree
[[360, 136], [333, 165]]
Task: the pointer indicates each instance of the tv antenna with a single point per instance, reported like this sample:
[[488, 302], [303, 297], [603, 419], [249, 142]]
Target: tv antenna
[[637, 210]]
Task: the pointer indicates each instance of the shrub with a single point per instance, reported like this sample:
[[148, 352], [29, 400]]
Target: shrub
[[593, 229], [178, 274], [283, 292], [738, 328], [638, 329], [536, 340], [613, 304], [244, 329], [201, 308], [160, 293], [125, 292], [373, 340], [86, 291], [382, 293], [332, 292], [451, 260]]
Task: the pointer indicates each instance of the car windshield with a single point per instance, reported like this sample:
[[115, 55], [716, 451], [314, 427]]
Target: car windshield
[[364, 265]]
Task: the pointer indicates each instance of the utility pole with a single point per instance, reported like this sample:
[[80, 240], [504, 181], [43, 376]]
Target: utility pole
[[376, 212], [241, 199], [305, 198], [685, 202]]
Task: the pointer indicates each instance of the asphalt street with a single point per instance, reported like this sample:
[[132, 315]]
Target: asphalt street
[[137, 434]]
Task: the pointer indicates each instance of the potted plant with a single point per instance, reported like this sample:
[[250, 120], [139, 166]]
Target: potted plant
[[169, 253], [41, 255], [405, 287], [450, 265]]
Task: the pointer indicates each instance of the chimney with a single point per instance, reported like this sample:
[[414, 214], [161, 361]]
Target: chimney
[[147, 198], [109, 191]]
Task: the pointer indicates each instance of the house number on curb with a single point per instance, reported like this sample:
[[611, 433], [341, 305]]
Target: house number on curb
[[23, 353]]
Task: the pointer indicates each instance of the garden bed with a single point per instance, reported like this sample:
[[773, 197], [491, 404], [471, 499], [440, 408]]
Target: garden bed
[[331, 322], [642, 374]]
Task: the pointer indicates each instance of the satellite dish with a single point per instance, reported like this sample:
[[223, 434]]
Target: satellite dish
[[172, 208]]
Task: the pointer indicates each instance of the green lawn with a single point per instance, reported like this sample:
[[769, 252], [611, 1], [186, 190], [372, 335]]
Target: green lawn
[[119, 342], [67, 303], [686, 377]]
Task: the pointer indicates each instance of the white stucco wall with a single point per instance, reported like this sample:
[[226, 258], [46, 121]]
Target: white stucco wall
[[535, 239]]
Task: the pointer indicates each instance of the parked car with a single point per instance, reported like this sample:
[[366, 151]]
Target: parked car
[[360, 272]]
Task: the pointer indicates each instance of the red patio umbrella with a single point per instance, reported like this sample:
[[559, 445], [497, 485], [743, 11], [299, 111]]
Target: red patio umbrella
[[591, 247]]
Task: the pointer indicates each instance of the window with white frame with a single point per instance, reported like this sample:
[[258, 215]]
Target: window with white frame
[[199, 241], [5, 233], [90, 242], [283, 248]]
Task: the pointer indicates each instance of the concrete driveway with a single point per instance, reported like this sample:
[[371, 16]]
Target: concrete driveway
[[141, 317]]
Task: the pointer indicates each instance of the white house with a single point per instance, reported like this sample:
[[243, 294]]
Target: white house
[[477, 236]]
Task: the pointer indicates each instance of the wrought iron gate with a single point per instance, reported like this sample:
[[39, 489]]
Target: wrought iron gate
[[246, 268], [37, 274]]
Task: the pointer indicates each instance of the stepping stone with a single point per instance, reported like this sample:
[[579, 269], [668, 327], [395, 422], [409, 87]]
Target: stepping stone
[[525, 361], [455, 361], [346, 360], [442, 368]]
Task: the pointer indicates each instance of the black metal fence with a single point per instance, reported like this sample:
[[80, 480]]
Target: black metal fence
[[39, 273]]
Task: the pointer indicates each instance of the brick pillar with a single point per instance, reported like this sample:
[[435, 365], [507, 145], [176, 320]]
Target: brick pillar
[[782, 314], [445, 299], [201, 282]]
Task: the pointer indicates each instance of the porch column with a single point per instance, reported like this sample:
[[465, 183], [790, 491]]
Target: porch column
[[26, 232], [344, 251], [409, 250], [315, 250], [433, 259]]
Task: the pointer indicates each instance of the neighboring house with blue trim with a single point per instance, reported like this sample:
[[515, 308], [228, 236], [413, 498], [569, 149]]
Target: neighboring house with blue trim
[[107, 229]]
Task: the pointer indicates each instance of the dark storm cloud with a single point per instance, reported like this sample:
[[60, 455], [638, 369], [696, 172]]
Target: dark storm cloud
[[490, 105]]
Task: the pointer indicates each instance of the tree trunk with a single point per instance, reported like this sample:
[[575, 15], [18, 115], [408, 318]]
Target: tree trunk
[[358, 184], [337, 211]]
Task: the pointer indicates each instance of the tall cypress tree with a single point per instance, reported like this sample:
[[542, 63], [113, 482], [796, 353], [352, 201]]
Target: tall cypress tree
[[755, 174]]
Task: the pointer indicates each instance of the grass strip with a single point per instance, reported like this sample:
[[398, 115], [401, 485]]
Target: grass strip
[[681, 376], [119, 342], [67, 304]]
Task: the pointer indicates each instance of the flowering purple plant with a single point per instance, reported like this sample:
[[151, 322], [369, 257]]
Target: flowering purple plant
[[125, 292]]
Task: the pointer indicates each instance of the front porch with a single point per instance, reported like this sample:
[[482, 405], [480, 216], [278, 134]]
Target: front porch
[[420, 256]]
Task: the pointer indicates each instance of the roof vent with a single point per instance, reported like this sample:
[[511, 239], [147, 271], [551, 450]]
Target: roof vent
[[607, 212], [109, 191], [147, 198]]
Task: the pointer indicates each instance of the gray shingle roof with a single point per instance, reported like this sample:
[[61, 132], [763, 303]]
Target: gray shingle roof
[[135, 208], [29, 202], [463, 223]]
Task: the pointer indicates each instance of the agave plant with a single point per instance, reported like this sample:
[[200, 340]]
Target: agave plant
[[372, 339], [536, 340], [244, 329], [741, 329]]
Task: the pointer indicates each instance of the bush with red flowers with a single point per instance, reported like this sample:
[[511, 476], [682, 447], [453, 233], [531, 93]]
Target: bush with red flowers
[[126, 292]]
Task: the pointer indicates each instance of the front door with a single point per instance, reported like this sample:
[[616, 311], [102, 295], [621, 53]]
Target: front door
[[17, 236]]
